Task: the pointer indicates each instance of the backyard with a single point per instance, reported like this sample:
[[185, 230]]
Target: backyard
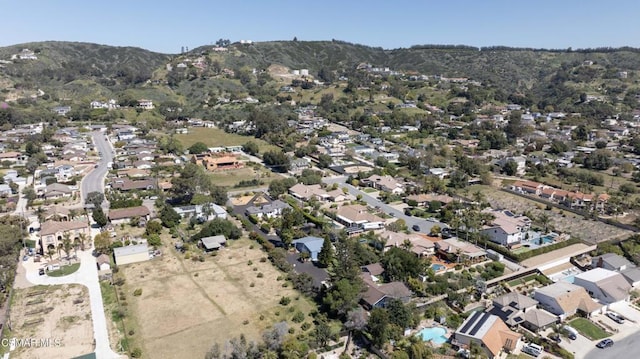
[[58, 315], [179, 305]]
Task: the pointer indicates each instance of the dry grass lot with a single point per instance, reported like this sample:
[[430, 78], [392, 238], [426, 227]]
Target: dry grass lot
[[186, 305], [567, 222], [215, 137], [52, 312], [230, 178]]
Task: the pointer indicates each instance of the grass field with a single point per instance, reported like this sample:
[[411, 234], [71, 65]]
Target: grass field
[[588, 329], [185, 306], [215, 137]]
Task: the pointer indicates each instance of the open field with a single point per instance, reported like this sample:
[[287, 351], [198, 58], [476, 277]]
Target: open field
[[187, 305], [230, 178], [215, 137], [58, 314], [561, 221]]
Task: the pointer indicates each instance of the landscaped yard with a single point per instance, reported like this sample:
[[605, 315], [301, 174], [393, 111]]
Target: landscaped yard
[[215, 137], [64, 270], [588, 329], [183, 306]]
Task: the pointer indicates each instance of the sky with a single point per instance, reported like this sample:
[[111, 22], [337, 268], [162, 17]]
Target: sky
[[167, 26]]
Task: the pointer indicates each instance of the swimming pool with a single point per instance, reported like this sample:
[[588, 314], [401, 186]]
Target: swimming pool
[[547, 239], [435, 334], [438, 267]]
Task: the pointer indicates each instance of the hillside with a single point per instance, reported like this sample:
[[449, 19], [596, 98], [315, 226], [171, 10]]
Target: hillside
[[77, 73]]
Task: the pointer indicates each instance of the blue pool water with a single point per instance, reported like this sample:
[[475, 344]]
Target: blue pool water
[[569, 279], [435, 334], [438, 267], [546, 239]]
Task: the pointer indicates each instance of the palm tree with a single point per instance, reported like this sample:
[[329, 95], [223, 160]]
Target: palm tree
[[73, 213], [40, 212], [406, 245], [544, 220], [67, 245], [50, 253]]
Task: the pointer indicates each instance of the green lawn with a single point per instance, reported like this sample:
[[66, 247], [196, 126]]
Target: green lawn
[[66, 270], [215, 137], [521, 280], [588, 329]]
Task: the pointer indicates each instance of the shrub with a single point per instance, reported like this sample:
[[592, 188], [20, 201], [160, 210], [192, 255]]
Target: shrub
[[249, 263], [305, 326], [292, 330], [136, 353], [132, 332], [298, 317], [263, 259], [137, 292], [252, 285], [261, 316], [245, 322], [285, 301], [260, 275]]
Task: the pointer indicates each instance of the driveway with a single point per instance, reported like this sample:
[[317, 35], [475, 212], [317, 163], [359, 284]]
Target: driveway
[[425, 226], [318, 274], [86, 275], [94, 181]]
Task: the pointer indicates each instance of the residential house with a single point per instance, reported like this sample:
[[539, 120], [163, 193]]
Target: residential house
[[57, 190], [419, 244], [632, 275], [604, 285], [611, 261], [131, 254], [506, 228], [13, 157], [379, 295], [268, 210], [305, 192], [374, 271], [358, 217], [126, 184], [425, 199], [488, 332], [213, 242], [125, 215], [516, 309], [456, 250], [5, 190], [527, 187], [202, 212], [384, 183], [310, 245], [52, 233], [103, 262], [62, 110], [565, 299], [145, 104], [217, 163], [299, 164]]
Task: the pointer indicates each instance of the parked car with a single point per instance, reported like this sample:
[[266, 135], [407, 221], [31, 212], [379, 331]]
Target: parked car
[[615, 317], [605, 343], [41, 271], [571, 332], [416, 228], [555, 337], [532, 349]]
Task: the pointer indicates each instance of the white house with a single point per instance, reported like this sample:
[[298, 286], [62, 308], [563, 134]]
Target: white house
[[507, 228], [604, 285], [565, 299]]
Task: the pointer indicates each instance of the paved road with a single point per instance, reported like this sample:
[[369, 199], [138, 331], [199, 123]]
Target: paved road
[[425, 226], [628, 347], [94, 181]]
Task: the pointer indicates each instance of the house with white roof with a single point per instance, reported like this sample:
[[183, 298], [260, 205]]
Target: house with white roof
[[507, 228], [604, 285]]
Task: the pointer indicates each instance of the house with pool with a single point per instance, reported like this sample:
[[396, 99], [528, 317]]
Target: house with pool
[[488, 332], [507, 228]]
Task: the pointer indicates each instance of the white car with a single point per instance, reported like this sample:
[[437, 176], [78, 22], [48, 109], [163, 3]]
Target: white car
[[615, 317]]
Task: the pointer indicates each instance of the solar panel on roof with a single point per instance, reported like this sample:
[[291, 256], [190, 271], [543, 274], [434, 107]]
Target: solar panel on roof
[[472, 320], [479, 324]]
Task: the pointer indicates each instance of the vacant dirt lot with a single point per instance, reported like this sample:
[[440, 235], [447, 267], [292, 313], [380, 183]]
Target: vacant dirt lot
[[588, 230], [187, 305], [59, 313]]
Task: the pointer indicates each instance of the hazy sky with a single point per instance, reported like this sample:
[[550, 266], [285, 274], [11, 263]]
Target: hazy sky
[[166, 26]]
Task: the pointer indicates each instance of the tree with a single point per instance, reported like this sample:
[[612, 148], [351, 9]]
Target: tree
[[510, 168], [67, 245], [102, 242], [275, 337], [324, 161], [169, 217], [153, 227], [377, 326], [96, 198], [323, 331], [82, 239], [277, 160], [342, 297], [30, 194], [278, 187], [326, 255], [218, 194], [218, 226], [251, 148], [99, 217], [198, 148]]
